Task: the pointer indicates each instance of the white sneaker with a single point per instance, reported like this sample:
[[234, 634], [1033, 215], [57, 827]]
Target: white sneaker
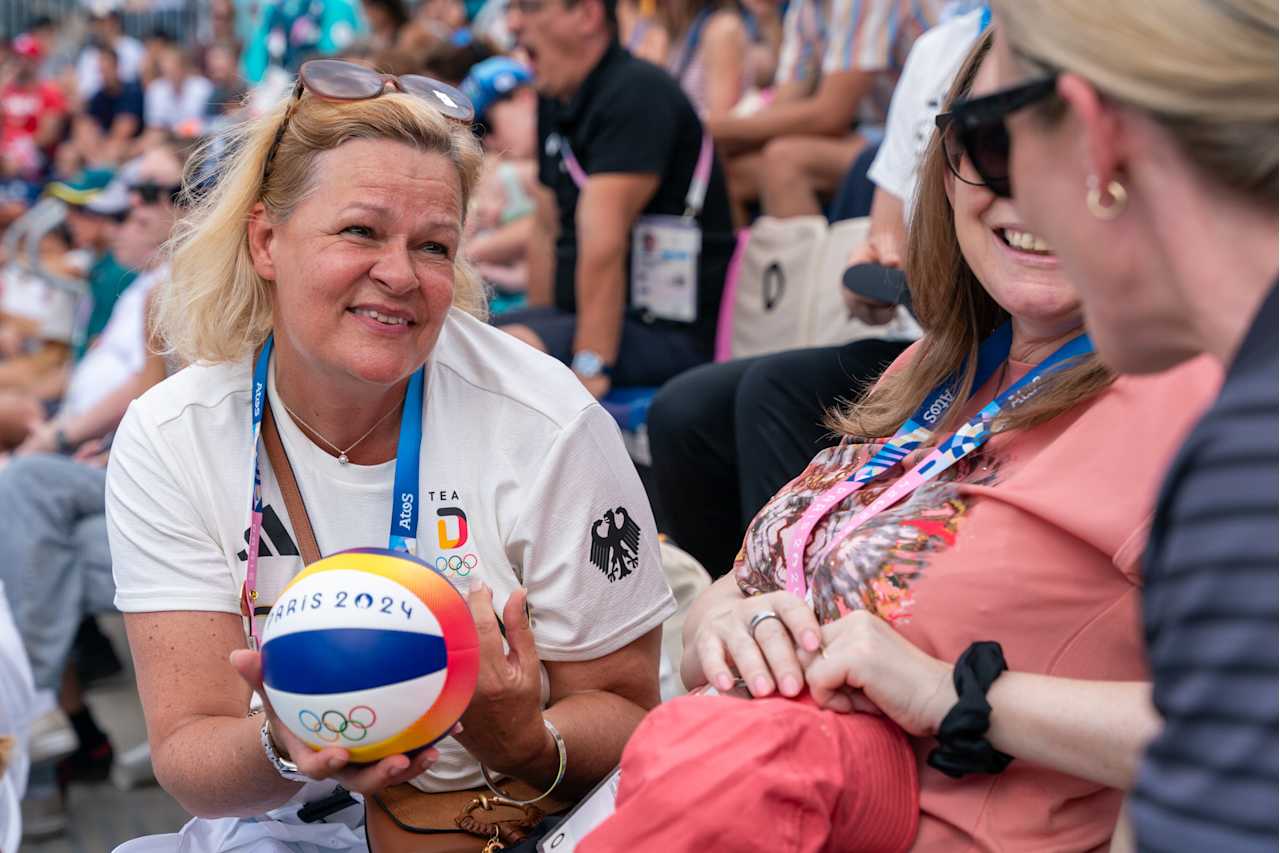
[[52, 737], [132, 768], [43, 815]]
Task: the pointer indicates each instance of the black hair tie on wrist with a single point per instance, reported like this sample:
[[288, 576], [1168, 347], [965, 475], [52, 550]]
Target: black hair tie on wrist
[[962, 743]]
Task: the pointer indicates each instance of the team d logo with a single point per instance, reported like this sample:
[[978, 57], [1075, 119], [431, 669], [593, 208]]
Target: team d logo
[[451, 527], [615, 544]]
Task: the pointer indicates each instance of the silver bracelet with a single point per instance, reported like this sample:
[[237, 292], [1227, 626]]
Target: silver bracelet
[[286, 768], [564, 762]]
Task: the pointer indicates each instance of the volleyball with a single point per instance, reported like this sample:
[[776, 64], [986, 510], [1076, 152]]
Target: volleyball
[[372, 651]]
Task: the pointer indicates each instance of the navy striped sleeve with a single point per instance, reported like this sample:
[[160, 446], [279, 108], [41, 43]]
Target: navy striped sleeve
[[1209, 780]]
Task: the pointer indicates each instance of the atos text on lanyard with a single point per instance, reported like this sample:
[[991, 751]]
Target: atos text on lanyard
[[914, 433], [403, 528]]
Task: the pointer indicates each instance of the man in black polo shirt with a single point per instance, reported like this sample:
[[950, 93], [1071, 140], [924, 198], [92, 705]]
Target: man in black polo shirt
[[619, 147]]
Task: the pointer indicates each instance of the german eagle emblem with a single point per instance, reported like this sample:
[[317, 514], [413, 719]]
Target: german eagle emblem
[[615, 544]]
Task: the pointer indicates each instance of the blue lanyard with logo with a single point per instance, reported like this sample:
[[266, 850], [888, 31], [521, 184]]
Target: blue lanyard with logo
[[911, 435], [919, 427], [403, 528]]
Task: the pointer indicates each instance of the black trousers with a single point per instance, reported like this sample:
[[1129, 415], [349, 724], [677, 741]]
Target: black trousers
[[726, 437]]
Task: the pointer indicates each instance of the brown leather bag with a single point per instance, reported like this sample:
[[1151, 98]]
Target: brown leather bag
[[405, 819], [402, 819]]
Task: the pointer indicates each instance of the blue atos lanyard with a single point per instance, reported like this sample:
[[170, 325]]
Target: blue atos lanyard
[[403, 528], [919, 427], [912, 434]]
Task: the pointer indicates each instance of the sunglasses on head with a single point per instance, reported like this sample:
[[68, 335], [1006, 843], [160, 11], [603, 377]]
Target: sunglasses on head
[[151, 192], [975, 130], [337, 80]]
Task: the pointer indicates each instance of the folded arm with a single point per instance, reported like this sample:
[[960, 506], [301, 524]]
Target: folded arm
[[607, 209], [830, 111], [1094, 730]]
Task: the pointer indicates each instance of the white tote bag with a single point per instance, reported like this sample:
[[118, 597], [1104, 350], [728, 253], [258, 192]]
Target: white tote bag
[[786, 294]]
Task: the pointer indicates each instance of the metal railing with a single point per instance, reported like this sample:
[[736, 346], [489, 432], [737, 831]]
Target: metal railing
[[179, 18]]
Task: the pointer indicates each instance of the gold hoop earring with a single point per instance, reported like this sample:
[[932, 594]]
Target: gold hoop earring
[[1093, 199]]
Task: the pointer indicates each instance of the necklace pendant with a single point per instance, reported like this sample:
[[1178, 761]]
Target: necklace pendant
[[342, 459]]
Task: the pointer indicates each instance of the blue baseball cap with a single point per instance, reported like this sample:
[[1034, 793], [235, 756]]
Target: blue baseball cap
[[492, 80]]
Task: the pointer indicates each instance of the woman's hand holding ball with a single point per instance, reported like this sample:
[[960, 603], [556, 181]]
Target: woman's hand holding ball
[[502, 726], [330, 762]]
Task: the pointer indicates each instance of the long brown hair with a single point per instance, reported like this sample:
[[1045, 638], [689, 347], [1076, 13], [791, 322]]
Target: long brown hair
[[956, 313]]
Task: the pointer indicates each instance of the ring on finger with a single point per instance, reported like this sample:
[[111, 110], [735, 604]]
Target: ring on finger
[[760, 618]]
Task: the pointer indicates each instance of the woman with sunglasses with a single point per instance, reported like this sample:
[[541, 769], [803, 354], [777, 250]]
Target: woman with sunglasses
[[997, 529], [322, 273], [1140, 140]]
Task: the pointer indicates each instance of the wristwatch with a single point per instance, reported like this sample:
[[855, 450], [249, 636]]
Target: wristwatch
[[62, 443], [589, 365], [286, 768]]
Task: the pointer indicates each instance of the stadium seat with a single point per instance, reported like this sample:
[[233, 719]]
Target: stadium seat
[[630, 408]]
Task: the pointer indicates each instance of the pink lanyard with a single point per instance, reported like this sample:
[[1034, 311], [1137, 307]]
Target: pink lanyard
[[967, 439], [693, 199]]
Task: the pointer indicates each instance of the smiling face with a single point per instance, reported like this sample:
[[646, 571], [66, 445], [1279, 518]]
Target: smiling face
[[363, 268], [1135, 318], [1015, 265]]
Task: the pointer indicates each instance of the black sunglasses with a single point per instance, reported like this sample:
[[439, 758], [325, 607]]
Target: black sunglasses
[[118, 216], [151, 192], [975, 128]]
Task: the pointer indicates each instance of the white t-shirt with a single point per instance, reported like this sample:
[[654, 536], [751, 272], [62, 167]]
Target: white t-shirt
[[931, 66], [512, 444], [27, 295], [119, 352], [169, 108], [19, 705]]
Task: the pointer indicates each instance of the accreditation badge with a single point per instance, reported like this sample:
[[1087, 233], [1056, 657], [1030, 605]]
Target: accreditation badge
[[664, 267]]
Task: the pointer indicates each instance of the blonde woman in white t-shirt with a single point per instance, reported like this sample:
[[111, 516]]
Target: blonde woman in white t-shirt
[[333, 234]]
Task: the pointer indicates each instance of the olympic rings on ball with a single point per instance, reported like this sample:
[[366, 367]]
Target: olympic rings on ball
[[459, 565], [331, 725]]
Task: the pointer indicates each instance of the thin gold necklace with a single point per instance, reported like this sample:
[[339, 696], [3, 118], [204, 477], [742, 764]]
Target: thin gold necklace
[[342, 454]]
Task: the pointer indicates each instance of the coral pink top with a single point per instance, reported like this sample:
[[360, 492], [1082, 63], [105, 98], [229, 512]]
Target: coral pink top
[[1033, 541]]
